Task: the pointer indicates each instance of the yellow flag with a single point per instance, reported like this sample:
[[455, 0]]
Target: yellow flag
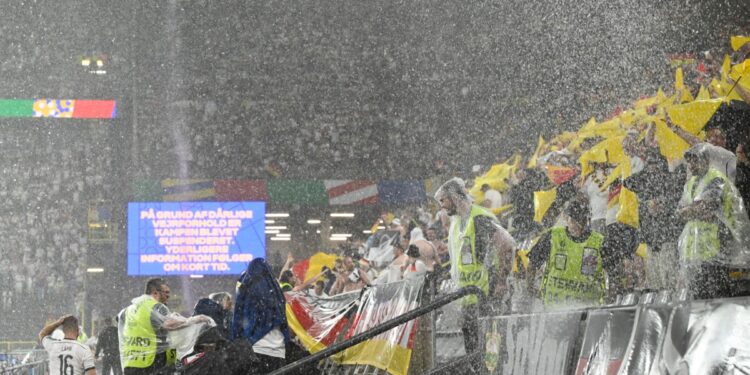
[[537, 152], [590, 125], [542, 202], [646, 102], [739, 41], [316, 263], [628, 213], [725, 66], [606, 151], [703, 94], [693, 116], [679, 81], [496, 178], [671, 145]]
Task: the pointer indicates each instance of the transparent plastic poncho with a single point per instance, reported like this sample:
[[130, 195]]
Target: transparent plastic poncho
[[730, 213]]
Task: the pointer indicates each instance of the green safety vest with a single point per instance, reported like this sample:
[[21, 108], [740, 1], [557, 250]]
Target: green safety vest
[[574, 270], [139, 337], [700, 239], [463, 249], [283, 285]]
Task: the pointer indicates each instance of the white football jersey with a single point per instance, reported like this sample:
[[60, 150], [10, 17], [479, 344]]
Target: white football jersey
[[68, 357]]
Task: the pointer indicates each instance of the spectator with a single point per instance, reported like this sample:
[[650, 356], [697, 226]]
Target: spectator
[[319, 289], [260, 315], [492, 198], [414, 267], [351, 279]]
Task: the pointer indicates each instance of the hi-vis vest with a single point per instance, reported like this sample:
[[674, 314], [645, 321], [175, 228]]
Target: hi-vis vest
[[284, 285], [574, 270], [700, 239], [463, 248], [139, 337]]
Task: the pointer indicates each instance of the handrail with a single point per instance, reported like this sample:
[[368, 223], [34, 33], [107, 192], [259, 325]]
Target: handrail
[[395, 322], [15, 369]]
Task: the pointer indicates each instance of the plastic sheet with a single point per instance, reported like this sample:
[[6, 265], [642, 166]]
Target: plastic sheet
[[391, 350], [605, 341], [183, 339], [718, 338], [541, 344], [318, 321]]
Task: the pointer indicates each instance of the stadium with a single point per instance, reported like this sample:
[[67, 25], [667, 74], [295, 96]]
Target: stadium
[[183, 140]]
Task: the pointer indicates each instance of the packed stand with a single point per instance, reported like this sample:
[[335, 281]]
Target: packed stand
[[48, 188]]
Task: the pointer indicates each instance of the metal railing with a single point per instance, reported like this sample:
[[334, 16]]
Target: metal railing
[[38, 367], [438, 302]]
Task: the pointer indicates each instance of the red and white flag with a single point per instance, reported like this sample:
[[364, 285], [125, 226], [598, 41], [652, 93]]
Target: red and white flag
[[343, 192]]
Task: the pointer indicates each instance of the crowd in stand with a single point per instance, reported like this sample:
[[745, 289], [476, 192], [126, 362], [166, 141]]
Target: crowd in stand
[[47, 189], [640, 201]]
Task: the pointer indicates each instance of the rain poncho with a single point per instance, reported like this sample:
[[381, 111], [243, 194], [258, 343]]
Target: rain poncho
[[260, 305], [722, 239]]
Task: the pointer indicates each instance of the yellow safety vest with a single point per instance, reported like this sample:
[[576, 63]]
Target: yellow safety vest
[[139, 337], [463, 247], [700, 239], [574, 270]]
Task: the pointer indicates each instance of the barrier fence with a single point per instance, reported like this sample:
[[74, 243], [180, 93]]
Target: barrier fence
[[699, 337], [26, 362], [654, 336]]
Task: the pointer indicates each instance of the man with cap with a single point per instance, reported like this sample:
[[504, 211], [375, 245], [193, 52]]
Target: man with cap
[[573, 258], [481, 253]]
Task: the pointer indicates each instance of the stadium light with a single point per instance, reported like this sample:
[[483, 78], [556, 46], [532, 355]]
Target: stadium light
[[337, 238], [270, 221], [277, 214], [273, 231], [95, 270], [284, 235], [281, 238], [196, 276], [345, 235], [313, 221], [342, 214], [367, 231], [279, 227]]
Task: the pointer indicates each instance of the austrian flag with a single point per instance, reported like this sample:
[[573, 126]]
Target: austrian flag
[[358, 192]]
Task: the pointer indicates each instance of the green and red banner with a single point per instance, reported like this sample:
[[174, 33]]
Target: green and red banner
[[58, 108]]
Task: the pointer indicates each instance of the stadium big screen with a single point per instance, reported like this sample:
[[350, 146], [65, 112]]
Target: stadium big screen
[[194, 238]]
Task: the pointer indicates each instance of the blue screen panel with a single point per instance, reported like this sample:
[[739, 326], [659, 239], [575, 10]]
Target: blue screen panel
[[194, 238]]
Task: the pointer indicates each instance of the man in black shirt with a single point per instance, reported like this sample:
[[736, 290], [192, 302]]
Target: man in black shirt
[[108, 346]]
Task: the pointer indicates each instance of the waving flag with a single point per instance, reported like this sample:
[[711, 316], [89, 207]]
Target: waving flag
[[359, 192]]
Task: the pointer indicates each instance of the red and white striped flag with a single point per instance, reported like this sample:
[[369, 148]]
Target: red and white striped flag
[[343, 192]]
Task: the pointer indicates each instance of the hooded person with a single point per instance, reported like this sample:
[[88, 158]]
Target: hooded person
[[217, 307], [481, 253], [715, 225], [260, 315]]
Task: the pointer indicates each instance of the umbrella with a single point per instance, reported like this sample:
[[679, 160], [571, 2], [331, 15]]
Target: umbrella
[[733, 118]]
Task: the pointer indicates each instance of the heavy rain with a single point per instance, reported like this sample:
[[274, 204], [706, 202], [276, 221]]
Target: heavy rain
[[333, 187]]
